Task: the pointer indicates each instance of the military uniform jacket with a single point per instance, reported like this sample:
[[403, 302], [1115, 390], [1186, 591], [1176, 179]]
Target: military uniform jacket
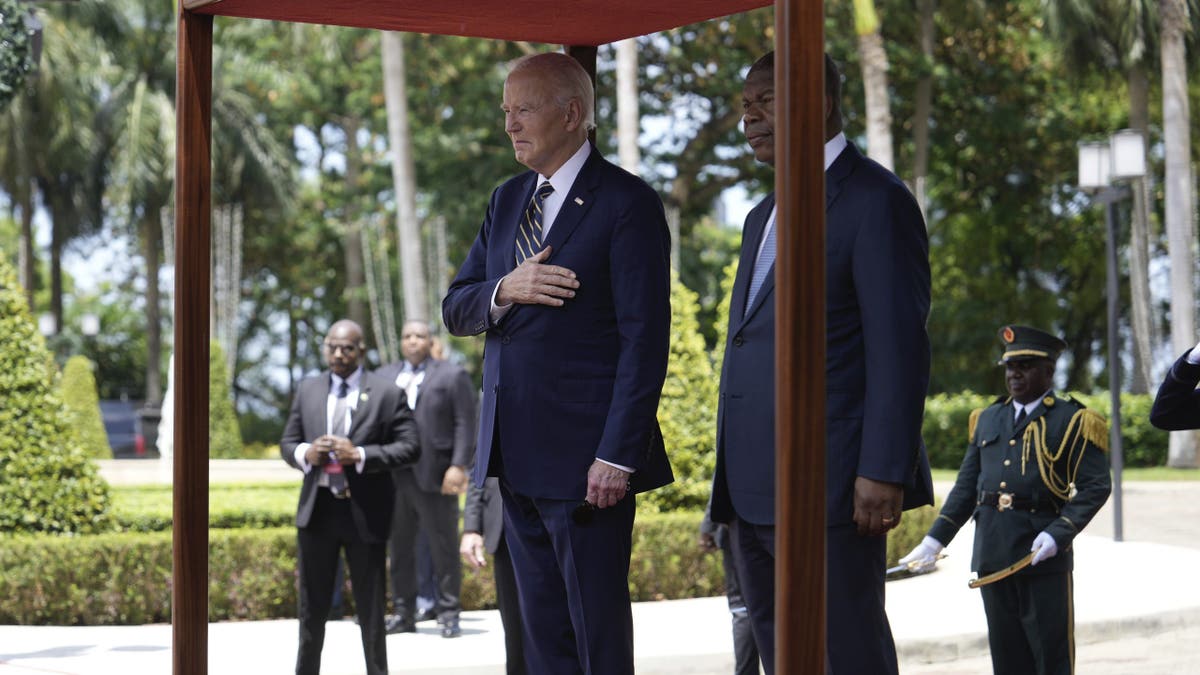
[[1054, 469]]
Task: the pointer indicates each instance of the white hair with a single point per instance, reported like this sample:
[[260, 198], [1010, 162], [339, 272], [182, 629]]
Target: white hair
[[568, 79]]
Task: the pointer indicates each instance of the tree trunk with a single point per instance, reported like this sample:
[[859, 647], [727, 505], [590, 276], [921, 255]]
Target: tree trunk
[[356, 308], [874, 72], [923, 106], [1143, 328], [628, 125], [150, 245], [27, 262], [56, 280], [412, 274], [1180, 237]]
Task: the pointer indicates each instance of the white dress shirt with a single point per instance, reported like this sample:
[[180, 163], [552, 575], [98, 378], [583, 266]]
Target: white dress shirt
[[352, 386]]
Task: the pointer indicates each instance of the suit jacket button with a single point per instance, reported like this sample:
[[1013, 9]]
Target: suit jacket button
[[505, 340], [738, 341]]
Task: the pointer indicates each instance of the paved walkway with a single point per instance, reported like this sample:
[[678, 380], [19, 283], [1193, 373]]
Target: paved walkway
[[1137, 611]]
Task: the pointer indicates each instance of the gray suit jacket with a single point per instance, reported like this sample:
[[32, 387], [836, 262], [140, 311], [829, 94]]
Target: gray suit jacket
[[484, 513], [447, 413]]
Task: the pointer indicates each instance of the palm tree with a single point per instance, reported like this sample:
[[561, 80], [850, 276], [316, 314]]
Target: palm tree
[[1179, 208], [875, 86], [404, 179], [1116, 35]]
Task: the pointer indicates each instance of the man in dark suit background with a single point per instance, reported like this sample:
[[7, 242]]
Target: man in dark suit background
[[483, 529], [442, 398], [347, 431], [1177, 405], [876, 377], [569, 278]]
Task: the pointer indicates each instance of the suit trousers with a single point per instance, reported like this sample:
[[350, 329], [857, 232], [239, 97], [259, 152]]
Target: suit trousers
[[319, 547], [754, 563], [510, 609], [1031, 627], [745, 651], [573, 582], [436, 515], [858, 636]]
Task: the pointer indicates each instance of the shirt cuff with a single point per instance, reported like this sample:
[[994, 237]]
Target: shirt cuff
[[298, 455], [1193, 356], [497, 312], [623, 468], [362, 458]]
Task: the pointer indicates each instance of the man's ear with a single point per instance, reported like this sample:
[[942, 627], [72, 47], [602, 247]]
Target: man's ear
[[574, 114]]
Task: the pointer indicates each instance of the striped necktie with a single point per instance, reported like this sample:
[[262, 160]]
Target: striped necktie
[[529, 233], [766, 257]]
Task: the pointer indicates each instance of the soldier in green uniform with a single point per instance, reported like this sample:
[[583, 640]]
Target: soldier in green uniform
[[1034, 475]]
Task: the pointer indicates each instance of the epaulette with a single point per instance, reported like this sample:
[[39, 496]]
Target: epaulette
[[971, 422], [1092, 426]]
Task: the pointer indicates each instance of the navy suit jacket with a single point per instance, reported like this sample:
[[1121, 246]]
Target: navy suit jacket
[[564, 386], [381, 424], [876, 353], [1177, 406]]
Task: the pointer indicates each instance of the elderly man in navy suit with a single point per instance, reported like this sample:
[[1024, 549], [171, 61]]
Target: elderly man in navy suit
[[876, 377], [569, 279], [1177, 405], [348, 429]]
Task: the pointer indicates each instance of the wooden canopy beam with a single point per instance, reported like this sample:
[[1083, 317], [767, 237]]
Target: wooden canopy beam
[[800, 338]]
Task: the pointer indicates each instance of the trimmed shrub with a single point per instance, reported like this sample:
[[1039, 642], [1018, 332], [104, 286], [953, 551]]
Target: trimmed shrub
[[946, 416], [149, 508], [224, 436], [945, 426], [78, 391], [686, 411], [125, 578], [1141, 443], [48, 482]]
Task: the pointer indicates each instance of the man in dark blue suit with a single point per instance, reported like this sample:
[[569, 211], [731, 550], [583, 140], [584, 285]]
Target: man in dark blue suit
[[876, 377], [1177, 406], [569, 279]]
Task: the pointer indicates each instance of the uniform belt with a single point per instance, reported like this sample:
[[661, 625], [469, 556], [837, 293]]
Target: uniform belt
[[1004, 501]]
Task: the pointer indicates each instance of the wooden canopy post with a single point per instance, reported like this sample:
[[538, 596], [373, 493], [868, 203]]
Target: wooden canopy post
[[586, 56], [193, 276], [800, 337]]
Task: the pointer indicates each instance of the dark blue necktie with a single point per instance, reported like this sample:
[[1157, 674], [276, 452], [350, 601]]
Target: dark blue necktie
[[529, 233]]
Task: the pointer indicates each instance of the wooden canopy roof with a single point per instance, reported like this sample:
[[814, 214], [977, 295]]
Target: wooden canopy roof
[[799, 269], [567, 22]]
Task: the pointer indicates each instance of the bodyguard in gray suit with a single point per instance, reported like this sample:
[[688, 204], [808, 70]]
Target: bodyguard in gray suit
[[444, 404]]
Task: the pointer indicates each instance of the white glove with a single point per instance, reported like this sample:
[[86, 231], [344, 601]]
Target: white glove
[[1043, 548], [924, 556]]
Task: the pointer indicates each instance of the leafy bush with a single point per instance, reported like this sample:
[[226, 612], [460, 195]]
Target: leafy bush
[[125, 578], [224, 437], [78, 391], [945, 426], [46, 478], [946, 416], [686, 411]]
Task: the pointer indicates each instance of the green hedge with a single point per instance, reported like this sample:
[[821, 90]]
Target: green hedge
[[125, 578], [78, 391], [946, 415], [230, 506]]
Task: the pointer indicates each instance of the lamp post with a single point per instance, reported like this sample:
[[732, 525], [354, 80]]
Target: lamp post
[[1103, 166]]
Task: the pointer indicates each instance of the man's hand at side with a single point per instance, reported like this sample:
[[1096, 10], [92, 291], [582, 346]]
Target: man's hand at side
[[607, 484], [534, 283], [454, 481], [877, 506]]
